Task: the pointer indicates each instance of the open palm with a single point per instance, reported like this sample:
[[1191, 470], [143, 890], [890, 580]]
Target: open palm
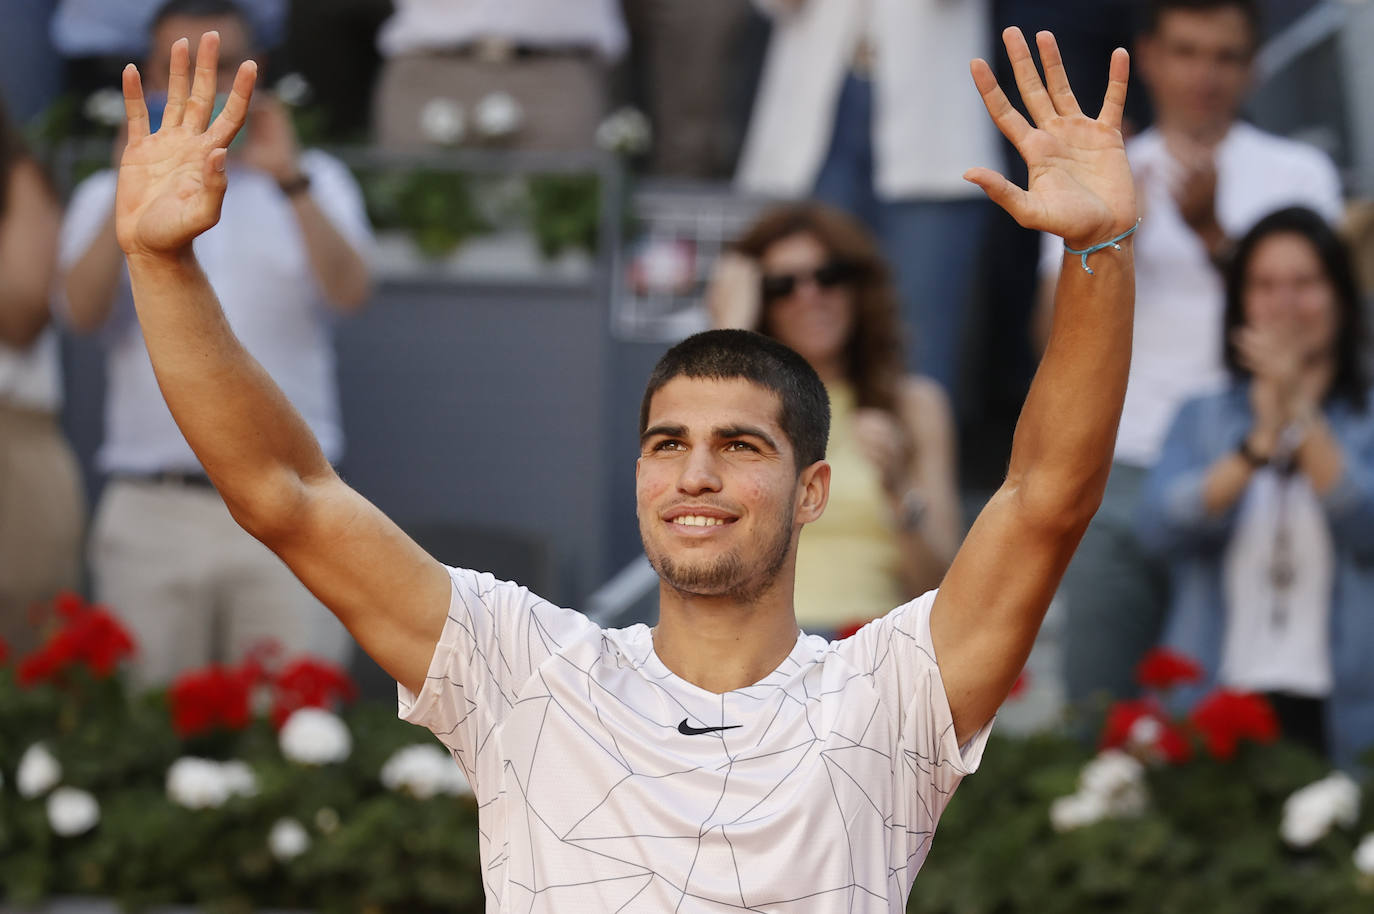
[[1080, 185], [172, 182]]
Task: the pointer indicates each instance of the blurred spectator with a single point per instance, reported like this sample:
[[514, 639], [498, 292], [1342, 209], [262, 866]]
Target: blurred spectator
[[852, 92], [41, 504], [333, 45], [1262, 501], [99, 37], [686, 55], [813, 278], [1203, 178], [528, 74], [284, 260]]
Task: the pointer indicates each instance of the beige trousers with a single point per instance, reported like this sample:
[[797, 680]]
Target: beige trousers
[[193, 587], [563, 97], [42, 513]]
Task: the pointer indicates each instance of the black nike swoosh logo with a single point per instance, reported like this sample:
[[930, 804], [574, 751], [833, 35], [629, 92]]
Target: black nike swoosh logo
[[687, 729]]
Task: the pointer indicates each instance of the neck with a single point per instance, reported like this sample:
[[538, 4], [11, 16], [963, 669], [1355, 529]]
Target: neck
[[1203, 134], [720, 644]]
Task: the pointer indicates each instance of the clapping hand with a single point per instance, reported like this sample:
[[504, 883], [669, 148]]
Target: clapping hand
[[172, 182], [1080, 185]]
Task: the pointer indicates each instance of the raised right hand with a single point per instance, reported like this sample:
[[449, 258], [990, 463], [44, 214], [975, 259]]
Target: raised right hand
[[171, 183]]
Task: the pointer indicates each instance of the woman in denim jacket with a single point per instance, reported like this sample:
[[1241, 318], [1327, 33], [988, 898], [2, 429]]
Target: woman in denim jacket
[[1262, 501]]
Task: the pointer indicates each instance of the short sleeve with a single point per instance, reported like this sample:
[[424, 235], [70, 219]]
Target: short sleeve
[[496, 636], [899, 655]]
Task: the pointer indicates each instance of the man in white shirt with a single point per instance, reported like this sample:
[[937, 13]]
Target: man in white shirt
[[286, 260], [1204, 178], [722, 760]]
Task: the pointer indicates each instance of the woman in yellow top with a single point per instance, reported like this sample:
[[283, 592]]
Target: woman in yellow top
[[812, 278]]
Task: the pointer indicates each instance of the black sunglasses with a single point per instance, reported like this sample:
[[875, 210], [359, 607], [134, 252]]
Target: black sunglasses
[[827, 276]]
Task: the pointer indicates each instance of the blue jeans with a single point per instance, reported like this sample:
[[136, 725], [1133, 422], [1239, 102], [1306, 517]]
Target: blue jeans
[[933, 245]]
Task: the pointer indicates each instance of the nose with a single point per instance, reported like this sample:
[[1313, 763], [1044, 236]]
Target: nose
[[699, 473]]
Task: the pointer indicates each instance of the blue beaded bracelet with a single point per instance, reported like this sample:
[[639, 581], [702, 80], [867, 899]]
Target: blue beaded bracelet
[[1113, 243]]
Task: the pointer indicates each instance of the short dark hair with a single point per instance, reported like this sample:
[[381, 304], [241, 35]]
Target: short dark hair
[[1351, 378], [804, 415], [199, 9], [1156, 9]]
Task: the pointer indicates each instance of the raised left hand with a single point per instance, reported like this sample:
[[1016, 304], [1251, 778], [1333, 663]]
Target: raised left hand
[[1080, 185]]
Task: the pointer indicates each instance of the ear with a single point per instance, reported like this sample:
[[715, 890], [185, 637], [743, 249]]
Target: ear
[[813, 492]]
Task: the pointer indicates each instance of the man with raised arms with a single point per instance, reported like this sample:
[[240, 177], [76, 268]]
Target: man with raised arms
[[722, 760]]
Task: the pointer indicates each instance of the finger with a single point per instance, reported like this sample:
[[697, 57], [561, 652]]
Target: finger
[[178, 83], [1055, 76], [1002, 192], [202, 100], [135, 111], [1008, 120], [214, 177], [1028, 83], [1114, 103], [231, 119]]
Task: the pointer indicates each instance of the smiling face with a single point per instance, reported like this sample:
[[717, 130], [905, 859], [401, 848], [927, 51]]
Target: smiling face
[[1287, 289], [814, 320], [718, 493]]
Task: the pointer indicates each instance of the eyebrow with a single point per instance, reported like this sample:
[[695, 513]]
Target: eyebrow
[[720, 432]]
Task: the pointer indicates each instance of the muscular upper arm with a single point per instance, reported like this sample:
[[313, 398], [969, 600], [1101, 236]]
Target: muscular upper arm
[[390, 594], [992, 601]]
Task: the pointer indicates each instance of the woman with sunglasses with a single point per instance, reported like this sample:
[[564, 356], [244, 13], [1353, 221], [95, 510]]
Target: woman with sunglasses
[[812, 278], [1263, 498]]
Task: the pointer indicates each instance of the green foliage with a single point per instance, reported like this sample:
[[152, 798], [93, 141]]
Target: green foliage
[[1208, 842]]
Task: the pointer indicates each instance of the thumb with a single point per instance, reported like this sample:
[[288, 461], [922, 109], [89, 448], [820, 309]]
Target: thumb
[[215, 178], [1000, 191]]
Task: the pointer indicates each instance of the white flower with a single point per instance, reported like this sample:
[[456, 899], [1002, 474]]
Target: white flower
[[105, 107], [626, 131], [1364, 855], [38, 772], [1145, 732], [293, 89], [442, 121], [72, 812], [1112, 770], [288, 839], [1077, 810], [498, 114], [1311, 811], [314, 736], [425, 771], [198, 783], [239, 778]]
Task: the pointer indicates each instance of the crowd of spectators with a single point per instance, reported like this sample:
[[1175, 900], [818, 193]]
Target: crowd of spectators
[[1237, 517]]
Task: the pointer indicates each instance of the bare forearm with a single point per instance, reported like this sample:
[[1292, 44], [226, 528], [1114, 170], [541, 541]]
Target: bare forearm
[[91, 283], [1320, 456], [251, 441], [1062, 450], [337, 266], [28, 256]]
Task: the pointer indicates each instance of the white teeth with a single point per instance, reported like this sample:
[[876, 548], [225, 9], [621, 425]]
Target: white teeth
[[698, 520]]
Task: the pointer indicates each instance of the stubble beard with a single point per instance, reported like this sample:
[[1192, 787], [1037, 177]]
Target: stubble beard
[[728, 575]]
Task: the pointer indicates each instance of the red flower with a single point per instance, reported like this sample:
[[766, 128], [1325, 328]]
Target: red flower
[[1143, 725], [309, 683], [1162, 668], [90, 636], [850, 629], [213, 697], [1022, 683], [4, 650], [1226, 717]]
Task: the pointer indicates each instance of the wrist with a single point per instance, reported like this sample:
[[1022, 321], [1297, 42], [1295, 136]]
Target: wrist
[[910, 510], [294, 184]]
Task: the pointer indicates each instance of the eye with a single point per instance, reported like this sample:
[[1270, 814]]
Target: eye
[[741, 446], [666, 444]]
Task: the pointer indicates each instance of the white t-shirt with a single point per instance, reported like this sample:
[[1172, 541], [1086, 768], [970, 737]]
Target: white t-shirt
[[32, 377], [1279, 639], [816, 789], [1179, 297], [440, 25], [257, 263]]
